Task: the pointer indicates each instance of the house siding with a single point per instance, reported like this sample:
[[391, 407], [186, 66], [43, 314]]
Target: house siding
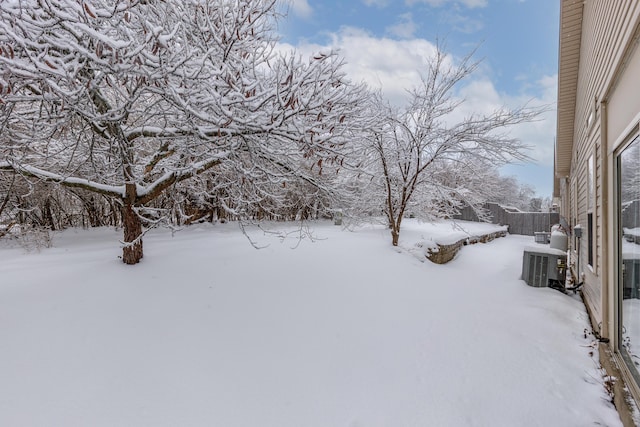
[[604, 117], [605, 24], [623, 104]]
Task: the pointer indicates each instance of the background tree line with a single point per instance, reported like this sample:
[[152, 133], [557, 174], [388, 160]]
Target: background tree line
[[135, 113]]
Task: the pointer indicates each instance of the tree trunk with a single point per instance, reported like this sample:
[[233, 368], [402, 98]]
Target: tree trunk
[[394, 226], [395, 235], [132, 251], [92, 212], [47, 215]]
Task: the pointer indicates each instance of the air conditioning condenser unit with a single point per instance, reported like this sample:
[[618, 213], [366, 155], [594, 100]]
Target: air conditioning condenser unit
[[543, 268]]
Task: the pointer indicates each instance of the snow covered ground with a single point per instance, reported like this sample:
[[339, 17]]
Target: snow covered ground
[[342, 330]]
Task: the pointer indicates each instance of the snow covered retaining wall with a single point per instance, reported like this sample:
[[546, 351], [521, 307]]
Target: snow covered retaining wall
[[444, 253]]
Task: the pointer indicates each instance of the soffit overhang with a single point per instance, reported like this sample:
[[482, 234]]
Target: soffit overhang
[[568, 65]]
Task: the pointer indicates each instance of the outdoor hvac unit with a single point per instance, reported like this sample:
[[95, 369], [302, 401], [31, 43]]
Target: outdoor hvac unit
[[631, 278], [544, 268]]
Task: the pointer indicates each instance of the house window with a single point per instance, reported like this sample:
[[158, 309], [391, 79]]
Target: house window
[[628, 253], [590, 208]]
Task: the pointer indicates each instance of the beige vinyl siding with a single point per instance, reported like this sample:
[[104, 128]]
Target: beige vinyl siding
[[592, 288], [605, 22], [574, 200], [565, 204], [601, 46], [598, 214], [598, 111], [624, 100]]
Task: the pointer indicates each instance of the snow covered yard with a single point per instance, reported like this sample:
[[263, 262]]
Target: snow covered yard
[[343, 330]]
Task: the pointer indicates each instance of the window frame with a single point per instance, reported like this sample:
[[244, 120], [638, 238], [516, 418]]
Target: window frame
[[633, 137]]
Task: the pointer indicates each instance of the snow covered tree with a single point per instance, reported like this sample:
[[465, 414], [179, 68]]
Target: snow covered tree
[[510, 192], [427, 163], [129, 98], [8, 208]]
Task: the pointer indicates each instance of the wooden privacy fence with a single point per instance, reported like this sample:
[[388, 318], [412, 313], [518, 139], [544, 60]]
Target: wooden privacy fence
[[525, 223], [630, 215]]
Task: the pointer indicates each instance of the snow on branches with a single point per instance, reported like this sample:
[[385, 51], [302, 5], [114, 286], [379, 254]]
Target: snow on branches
[[426, 162], [147, 94]]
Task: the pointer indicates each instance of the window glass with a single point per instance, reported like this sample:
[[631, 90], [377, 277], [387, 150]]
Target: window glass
[[629, 260]]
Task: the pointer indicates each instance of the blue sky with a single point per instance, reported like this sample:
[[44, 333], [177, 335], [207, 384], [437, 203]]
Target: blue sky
[[384, 43]]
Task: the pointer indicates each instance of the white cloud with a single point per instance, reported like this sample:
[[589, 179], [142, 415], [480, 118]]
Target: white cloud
[[481, 97], [301, 8], [541, 134], [433, 3], [464, 24], [391, 65], [549, 86], [475, 3], [471, 4], [378, 3], [395, 66], [457, 15], [405, 28]]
